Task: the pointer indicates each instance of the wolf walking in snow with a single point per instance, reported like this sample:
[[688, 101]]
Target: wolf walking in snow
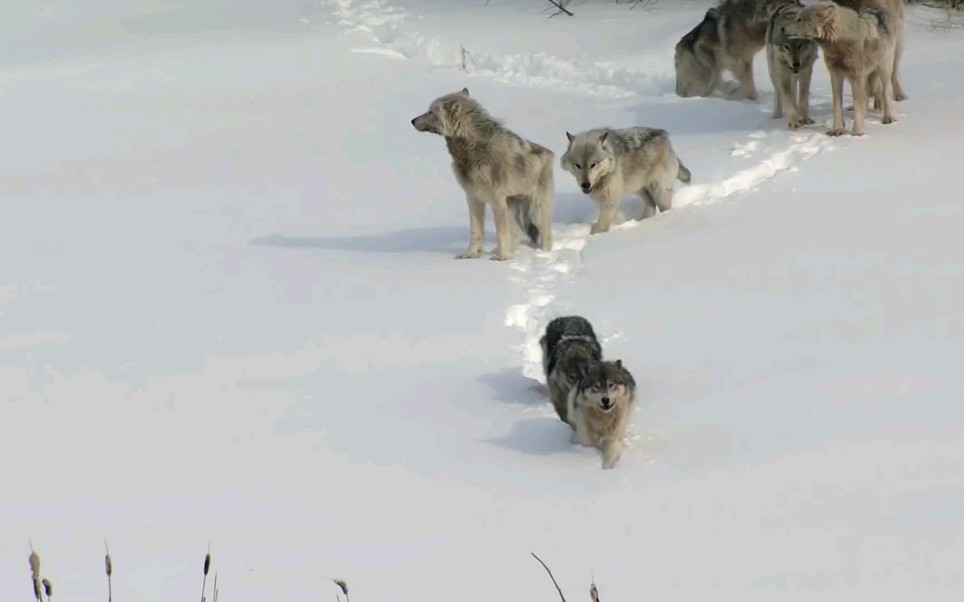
[[495, 167], [599, 408], [569, 349], [607, 163], [858, 46], [790, 64], [728, 37]]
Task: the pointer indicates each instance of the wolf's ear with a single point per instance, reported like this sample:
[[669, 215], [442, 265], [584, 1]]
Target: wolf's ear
[[826, 11], [603, 138], [619, 363], [570, 137], [464, 91]]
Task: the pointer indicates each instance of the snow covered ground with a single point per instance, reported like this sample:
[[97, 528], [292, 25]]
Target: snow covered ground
[[229, 313]]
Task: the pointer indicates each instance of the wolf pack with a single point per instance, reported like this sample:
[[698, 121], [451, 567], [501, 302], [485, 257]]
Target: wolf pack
[[861, 42]]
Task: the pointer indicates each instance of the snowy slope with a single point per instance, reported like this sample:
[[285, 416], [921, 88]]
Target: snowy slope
[[230, 314]]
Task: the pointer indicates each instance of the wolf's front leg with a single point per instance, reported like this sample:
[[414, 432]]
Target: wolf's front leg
[[608, 205], [859, 91], [836, 88], [803, 94], [476, 228], [503, 229], [612, 450]]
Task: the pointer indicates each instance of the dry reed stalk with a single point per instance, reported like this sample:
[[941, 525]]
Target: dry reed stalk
[[110, 569], [35, 573], [558, 589], [48, 588]]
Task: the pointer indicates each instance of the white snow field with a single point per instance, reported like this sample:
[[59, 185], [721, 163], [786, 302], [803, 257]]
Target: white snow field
[[230, 315]]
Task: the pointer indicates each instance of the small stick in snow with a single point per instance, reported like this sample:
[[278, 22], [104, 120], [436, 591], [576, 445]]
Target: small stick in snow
[[558, 589], [561, 8]]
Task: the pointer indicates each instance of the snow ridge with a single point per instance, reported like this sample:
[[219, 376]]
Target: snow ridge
[[383, 23]]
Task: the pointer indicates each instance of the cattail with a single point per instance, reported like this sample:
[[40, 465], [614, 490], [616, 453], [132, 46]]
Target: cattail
[[48, 588], [109, 567], [35, 574], [342, 584], [207, 567], [593, 592]]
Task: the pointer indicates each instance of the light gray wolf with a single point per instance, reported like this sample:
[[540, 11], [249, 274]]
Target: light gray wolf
[[569, 349], [728, 37], [790, 64], [495, 167], [857, 46], [607, 163], [895, 12], [599, 408]]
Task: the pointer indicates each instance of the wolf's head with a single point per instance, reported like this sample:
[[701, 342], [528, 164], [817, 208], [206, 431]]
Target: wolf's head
[[797, 52], [589, 158], [766, 8], [814, 22], [607, 386], [446, 114]]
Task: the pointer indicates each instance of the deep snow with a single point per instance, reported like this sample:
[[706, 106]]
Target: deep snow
[[230, 314]]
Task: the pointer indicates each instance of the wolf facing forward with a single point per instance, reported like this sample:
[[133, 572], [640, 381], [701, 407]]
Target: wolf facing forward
[[495, 167], [599, 409], [607, 163], [569, 349], [790, 64]]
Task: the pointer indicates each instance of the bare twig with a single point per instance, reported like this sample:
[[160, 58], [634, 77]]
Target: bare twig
[[562, 8], [558, 589]]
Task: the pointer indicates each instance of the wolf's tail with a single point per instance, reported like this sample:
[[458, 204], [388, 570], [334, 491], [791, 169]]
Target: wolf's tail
[[683, 175], [521, 213]]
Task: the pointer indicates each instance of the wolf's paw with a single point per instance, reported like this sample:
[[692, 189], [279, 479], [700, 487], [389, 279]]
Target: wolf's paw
[[470, 254], [597, 229], [835, 132], [900, 97], [888, 119], [795, 123], [808, 121], [498, 255]]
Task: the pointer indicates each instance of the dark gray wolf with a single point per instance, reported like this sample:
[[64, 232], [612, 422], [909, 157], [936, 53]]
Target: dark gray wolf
[[728, 37], [857, 46], [569, 349], [790, 64], [495, 167], [607, 163], [599, 409]]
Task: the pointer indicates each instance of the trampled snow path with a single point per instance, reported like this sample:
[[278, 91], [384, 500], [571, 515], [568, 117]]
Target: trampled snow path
[[540, 273], [383, 22], [544, 271]]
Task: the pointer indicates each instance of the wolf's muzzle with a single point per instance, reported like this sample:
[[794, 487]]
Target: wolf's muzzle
[[606, 403], [586, 187]]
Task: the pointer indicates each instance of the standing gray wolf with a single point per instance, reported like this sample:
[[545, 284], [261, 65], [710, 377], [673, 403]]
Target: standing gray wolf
[[790, 64], [606, 163], [895, 12], [857, 46], [495, 167], [728, 37], [569, 349], [599, 407]]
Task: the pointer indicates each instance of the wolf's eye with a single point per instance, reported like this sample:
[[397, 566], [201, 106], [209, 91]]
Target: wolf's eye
[[593, 165], [577, 166]]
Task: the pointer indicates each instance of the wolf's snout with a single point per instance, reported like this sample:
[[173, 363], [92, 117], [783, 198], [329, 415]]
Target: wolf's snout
[[795, 67], [606, 402], [586, 187]]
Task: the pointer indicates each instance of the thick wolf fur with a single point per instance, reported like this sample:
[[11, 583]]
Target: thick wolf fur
[[895, 12], [607, 163], [857, 46], [495, 167], [790, 64], [728, 37], [569, 349], [599, 409]]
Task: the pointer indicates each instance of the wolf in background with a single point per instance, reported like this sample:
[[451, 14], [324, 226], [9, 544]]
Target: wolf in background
[[790, 65], [728, 37], [607, 163], [858, 47], [495, 167]]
